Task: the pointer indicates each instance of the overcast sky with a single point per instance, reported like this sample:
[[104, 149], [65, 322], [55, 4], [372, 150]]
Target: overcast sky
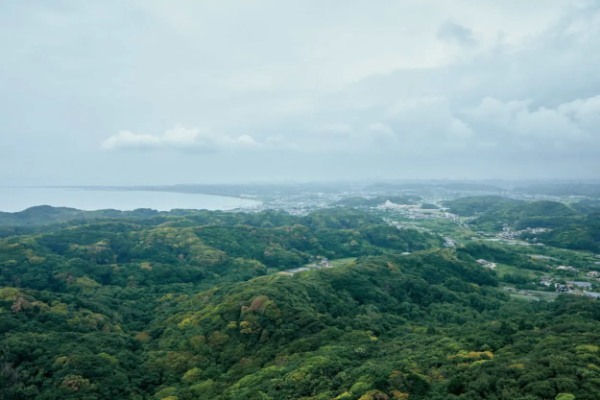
[[160, 92]]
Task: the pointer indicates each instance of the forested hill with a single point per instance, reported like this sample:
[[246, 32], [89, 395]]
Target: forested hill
[[211, 305], [199, 247], [573, 226]]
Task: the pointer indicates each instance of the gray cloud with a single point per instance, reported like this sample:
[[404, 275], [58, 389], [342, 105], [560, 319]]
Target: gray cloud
[[456, 33], [569, 123]]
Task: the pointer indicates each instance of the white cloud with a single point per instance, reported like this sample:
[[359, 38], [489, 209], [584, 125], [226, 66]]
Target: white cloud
[[585, 111], [180, 138], [243, 141], [126, 139], [519, 121]]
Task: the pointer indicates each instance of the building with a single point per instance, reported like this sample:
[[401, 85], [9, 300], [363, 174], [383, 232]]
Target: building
[[580, 285]]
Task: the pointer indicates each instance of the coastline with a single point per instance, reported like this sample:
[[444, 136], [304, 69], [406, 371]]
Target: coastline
[[89, 198]]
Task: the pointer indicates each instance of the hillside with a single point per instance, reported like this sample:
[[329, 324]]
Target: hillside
[[573, 226], [191, 305]]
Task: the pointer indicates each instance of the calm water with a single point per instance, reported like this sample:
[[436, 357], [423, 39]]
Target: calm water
[[17, 199]]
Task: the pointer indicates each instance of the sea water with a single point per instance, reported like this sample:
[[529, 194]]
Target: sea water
[[13, 199]]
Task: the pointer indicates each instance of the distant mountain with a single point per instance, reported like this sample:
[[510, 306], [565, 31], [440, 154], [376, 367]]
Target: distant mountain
[[458, 186], [43, 215], [562, 189], [475, 205]]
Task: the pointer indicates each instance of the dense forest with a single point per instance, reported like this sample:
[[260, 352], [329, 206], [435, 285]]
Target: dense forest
[[213, 305]]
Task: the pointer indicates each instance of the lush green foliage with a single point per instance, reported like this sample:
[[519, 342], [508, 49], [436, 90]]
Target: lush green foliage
[[582, 234], [573, 227], [472, 206], [190, 304]]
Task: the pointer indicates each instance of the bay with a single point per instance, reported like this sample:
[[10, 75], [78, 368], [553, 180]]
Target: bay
[[14, 199]]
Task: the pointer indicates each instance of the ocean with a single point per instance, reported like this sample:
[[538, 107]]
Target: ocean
[[13, 199]]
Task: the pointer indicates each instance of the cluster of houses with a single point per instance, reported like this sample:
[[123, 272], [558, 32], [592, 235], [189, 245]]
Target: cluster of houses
[[412, 211], [593, 275], [486, 264], [566, 268], [569, 287], [448, 242], [575, 287], [509, 234]]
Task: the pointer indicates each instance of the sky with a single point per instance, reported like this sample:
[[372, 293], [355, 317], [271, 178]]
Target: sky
[[138, 92]]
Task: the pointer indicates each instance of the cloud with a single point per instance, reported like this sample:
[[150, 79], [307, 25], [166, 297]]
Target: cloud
[[456, 33], [409, 86], [179, 138], [342, 137], [518, 122], [505, 100], [335, 129], [502, 129], [380, 129], [459, 129], [126, 139]]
